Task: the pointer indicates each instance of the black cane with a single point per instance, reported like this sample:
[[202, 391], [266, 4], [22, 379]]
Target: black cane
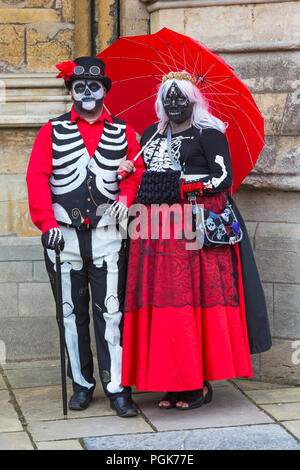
[[60, 320]]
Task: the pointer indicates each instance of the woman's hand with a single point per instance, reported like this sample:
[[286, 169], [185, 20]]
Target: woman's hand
[[127, 166]]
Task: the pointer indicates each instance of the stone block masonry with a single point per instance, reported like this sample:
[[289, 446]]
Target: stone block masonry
[[275, 235], [27, 309], [35, 35]]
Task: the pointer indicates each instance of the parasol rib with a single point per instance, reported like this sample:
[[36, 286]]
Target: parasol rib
[[135, 104]]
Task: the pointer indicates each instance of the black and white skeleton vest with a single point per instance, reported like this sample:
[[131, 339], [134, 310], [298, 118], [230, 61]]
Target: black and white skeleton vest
[[79, 183]]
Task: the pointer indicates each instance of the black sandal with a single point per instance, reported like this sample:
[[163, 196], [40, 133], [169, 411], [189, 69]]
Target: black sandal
[[194, 398], [172, 398], [209, 395]]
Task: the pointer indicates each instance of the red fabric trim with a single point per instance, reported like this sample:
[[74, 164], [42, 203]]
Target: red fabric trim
[[129, 186]]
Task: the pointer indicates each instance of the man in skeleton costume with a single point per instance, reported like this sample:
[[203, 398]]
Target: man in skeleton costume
[[71, 174]]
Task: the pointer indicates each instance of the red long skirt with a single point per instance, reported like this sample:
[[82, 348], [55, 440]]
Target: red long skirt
[[184, 312]]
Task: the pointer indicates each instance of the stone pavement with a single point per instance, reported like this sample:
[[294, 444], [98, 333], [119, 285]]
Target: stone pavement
[[244, 414]]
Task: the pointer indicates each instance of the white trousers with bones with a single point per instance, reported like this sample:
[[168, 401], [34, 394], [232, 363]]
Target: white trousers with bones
[[93, 261]]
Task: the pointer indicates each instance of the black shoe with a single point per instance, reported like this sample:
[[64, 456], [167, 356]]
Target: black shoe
[[124, 407], [80, 400], [194, 399], [209, 395], [172, 398]]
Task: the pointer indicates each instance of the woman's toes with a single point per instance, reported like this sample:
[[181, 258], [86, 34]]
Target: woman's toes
[[182, 404], [164, 403]]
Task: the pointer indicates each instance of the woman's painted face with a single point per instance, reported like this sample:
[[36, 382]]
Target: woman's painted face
[[177, 106], [88, 94]]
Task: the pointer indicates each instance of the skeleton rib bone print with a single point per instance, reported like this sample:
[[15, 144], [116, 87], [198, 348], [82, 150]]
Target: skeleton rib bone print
[[71, 159], [69, 166], [156, 154]]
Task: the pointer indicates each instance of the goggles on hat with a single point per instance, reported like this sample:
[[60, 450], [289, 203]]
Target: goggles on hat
[[94, 70]]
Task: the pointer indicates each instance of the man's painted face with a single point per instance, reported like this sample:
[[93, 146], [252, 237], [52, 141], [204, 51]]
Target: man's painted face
[[177, 106], [88, 94]]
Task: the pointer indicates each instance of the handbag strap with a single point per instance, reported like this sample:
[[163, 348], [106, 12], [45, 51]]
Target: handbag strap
[[174, 162]]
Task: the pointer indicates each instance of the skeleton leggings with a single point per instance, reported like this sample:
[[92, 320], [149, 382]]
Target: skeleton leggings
[[94, 258]]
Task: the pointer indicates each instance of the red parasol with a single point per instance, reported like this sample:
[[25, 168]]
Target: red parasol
[[136, 65]]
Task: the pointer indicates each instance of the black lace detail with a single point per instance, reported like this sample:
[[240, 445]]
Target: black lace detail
[[164, 273]]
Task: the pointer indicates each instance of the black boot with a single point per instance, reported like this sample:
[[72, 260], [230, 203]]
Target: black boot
[[80, 400], [124, 406]]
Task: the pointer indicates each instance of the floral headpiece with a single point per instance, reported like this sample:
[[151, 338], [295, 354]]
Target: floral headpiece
[[179, 76], [66, 70]]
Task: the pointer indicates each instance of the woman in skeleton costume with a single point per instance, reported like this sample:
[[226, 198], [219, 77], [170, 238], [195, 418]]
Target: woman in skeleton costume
[[191, 315], [71, 180]]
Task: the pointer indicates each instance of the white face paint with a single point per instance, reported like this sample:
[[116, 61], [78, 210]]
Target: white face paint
[[87, 93]]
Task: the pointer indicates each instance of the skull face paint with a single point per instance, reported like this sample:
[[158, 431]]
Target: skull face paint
[[177, 106], [87, 94]]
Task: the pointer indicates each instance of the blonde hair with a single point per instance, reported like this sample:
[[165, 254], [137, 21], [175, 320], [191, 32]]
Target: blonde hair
[[201, 117]]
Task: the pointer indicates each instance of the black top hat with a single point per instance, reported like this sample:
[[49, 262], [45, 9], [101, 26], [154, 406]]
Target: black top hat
[[87, 71]]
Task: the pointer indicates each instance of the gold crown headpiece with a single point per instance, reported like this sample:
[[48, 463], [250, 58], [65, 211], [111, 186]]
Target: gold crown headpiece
[[179, 76]]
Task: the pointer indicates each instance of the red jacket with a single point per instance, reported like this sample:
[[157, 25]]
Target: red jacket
[[40, 167]]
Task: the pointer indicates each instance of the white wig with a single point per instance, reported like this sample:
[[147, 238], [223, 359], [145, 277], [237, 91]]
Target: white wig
[[201, 118]]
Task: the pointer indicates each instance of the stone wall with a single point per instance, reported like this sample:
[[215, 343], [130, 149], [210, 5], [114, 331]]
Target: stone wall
[[35, 34]]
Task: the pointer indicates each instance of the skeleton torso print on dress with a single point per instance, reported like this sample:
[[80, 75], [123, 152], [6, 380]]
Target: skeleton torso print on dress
[[202, 155], [156, 155], [80, 183]]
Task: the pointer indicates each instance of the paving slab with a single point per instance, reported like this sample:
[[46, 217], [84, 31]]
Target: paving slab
[[172, 440], [86, 427], [2, 384], [293, 427], [283, 411], [228, 408], [283, 395], [34, 377], [41, 373], [248, 384], [31, 364], [221, 383], [71, 444], [9, 420], [45, 403], [15, 441], [257, 437]]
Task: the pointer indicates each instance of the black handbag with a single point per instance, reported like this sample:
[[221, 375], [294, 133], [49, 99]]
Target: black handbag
[[215, 230], [158, 187]]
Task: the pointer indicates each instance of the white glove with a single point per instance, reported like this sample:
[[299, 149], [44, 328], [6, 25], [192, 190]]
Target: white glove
[[118, 210]]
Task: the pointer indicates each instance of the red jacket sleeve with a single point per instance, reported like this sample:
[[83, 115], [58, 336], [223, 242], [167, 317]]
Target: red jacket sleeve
[[38, 174], [129, 186]]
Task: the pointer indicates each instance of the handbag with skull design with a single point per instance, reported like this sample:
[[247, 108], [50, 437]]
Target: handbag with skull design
[[217, 229]]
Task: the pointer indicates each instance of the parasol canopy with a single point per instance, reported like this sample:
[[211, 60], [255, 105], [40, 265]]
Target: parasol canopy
[[136, 66]]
